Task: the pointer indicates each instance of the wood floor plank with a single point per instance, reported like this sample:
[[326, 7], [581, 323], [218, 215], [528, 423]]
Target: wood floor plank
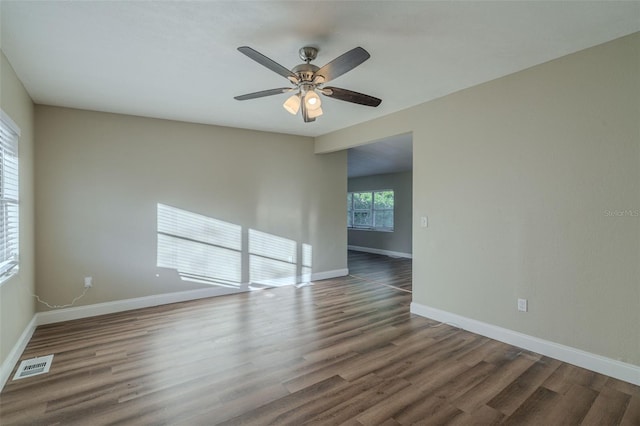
[[534, 409], [480, 394], [387, 422], [483, 416], [623, 387], [632, 414], [313, 372], [568, 375], [608, 408], [390, 407], [513, 395], [572, 406], [383, 357], [340, 351], [438, 399], [312, 397], [353, 407]]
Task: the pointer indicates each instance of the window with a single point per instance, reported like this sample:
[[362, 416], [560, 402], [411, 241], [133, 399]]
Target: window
[[370, 210], [9, 134]]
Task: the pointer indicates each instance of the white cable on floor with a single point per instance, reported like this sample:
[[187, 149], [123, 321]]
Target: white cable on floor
[[61, 306]]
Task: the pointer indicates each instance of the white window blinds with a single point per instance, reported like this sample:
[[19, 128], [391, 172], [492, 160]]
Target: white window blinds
[[9, 215]]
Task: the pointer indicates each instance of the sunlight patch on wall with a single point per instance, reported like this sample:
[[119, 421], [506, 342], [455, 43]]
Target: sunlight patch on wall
[[272, 260], [210, 251], [200, 248], [306, 263]]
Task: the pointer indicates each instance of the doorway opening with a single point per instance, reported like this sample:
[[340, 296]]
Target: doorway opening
[[380, 210]]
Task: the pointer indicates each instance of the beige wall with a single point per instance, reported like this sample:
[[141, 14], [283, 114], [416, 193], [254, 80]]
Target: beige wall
[[100, 177], [522, 179], [400, 239], [16, 300]]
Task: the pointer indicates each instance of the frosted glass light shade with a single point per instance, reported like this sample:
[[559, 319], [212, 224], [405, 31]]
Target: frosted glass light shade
[[313, 113], [312, 100], [292, 105]]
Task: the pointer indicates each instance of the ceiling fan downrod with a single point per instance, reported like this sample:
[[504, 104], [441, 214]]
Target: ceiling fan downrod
[[308, 53]]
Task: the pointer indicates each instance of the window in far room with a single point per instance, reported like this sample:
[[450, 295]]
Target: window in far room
[[9, 226], [370, 210]]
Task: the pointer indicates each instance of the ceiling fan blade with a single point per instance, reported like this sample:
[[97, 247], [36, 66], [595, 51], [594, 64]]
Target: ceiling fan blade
[[340, 65], [269, 63], [263, 93], [350, 96]]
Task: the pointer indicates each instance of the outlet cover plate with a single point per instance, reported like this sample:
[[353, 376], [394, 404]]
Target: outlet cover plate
[[522, 305]]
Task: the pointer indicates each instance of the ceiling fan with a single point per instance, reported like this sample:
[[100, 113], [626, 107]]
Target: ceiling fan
[[308, 81]]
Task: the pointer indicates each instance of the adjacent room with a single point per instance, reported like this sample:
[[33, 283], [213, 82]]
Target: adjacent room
[[319, 212]]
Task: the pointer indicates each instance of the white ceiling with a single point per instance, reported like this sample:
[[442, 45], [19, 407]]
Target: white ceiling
[[389, 155], [178, 60]]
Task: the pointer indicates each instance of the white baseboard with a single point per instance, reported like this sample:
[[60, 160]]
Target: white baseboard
[[14, 356], [96, 309], [380, 251], [326, 275], [86, 311], [600, 364]]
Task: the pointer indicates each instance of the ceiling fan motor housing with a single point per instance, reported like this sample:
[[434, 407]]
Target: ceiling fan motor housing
[[305, 72]]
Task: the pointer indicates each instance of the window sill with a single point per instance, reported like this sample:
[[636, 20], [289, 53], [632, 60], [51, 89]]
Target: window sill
[[369, 229], [7, 277]]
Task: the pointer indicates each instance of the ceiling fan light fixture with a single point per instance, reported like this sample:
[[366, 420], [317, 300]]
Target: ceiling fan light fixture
[[312, 100], [292, 104]]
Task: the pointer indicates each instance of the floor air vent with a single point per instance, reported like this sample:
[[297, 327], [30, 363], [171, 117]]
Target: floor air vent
[[33, 367]]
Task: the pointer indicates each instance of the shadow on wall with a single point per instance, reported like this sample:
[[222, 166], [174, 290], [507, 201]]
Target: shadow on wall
[[210, 251]]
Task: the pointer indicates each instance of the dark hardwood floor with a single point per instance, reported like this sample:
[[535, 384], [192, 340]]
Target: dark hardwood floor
[[382, 270], [341, 351]]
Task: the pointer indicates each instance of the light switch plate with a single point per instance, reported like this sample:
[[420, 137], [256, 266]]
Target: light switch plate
[[522, 305]]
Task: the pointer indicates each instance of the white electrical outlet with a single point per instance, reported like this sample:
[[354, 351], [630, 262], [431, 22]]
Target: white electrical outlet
[[88, 282], [424, 221], [522, 305]]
